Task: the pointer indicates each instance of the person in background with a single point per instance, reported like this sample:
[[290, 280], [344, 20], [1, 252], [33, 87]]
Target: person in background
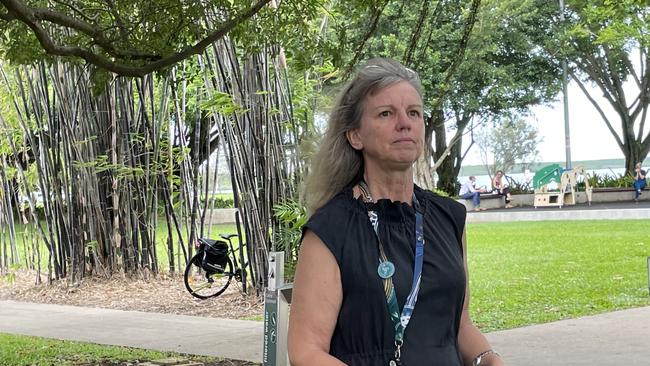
[[639, 181], [501, 186], [469, 191], [381, 277]]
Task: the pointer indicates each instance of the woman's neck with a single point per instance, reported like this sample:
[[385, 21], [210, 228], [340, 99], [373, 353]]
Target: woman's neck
[[395, 186]]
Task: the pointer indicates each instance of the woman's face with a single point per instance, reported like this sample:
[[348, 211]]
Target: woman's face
[[391, 133]]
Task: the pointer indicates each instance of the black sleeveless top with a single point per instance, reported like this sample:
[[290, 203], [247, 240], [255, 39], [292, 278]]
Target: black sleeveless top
[[364, 332]]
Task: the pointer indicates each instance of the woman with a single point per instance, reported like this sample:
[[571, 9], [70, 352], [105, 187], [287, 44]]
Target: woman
[[500, 185], [360, 255], [639, 181]]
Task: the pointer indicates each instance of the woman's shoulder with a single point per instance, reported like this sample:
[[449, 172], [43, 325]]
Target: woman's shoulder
[[334, 221], [342, 201], [336, 211], [441, 201], [442, 206]]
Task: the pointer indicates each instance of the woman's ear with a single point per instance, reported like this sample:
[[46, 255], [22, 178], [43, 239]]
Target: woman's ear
[[354, 139]]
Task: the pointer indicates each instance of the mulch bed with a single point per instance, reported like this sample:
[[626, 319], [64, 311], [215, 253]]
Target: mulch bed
[[163, 293]]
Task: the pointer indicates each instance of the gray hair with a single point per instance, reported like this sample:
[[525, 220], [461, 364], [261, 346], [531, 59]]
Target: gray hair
[[337, 164]]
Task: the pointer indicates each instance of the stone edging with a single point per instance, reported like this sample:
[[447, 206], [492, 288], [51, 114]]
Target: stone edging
[[607, 194]]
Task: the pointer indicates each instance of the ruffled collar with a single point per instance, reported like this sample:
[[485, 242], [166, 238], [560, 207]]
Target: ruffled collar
[[388, 210]]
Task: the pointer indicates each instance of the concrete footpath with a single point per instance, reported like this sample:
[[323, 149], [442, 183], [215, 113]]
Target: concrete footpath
[[610, 339], [236, 339]]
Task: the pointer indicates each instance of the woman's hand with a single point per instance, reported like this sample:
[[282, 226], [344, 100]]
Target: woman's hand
[[492, 360]]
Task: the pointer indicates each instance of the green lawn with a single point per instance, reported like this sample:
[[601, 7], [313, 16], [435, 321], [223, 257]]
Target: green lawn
[[25, 233], [16, 350], [536, 272]]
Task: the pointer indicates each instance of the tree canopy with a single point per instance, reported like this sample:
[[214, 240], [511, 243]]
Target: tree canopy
[[607, 43], [477, 60], [512, 141], [135, 37]]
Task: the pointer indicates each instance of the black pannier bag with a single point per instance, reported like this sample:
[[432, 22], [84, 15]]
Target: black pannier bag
[[215, 256]]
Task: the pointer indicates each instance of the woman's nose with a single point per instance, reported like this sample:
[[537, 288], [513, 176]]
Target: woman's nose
[[403, 120]]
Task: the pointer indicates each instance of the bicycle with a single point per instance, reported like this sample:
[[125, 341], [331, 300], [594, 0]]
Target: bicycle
[[210, 271]]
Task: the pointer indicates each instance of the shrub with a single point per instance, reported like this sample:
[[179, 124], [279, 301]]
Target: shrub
[[440, 192], [291, 216], [221, 202], [606, 180], [517, 187]]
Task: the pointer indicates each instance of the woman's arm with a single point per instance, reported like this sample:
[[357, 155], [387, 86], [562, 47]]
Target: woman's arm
[[496, 183], [315, 305], [471, 341]]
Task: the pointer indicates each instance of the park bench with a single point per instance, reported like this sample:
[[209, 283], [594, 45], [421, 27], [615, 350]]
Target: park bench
[[488, 200], [618, 194]]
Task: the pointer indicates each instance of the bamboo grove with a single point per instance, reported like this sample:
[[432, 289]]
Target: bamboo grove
[[113, 164]]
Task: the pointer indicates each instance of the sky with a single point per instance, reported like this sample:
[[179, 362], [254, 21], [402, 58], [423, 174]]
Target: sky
[[589, 137]]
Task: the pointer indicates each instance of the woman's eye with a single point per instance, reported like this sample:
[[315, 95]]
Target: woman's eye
[[414, 113], [384, 114]]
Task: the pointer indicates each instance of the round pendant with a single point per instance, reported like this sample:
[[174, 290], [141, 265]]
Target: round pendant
[[386, 269]]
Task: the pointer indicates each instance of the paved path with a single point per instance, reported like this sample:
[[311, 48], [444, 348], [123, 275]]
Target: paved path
[[237, 339], [610, 339], [620, 338]]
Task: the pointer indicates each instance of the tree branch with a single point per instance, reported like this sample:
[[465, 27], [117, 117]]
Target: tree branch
[[630, 67], [616, 80], [35, 15], [600, 111], [594, 74], [8, 16], [417, 34], [462, 47], [359, 51], [644, 93], [75, 9], [118, 20], [28, 16]]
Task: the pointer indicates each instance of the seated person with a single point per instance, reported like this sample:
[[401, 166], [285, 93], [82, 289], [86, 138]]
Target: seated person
[[639, 180], [469, 191], [500, 186]]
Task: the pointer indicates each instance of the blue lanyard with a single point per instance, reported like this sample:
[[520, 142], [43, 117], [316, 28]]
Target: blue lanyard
[[386, 269]]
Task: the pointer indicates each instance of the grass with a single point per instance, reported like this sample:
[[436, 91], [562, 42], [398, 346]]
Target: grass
[[537, 272], [25, 233], [17, 350]]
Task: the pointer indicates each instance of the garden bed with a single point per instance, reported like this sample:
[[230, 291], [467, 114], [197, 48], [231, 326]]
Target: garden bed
[[604, 194]]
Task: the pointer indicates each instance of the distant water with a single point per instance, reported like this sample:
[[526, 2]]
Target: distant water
[[484, 180]]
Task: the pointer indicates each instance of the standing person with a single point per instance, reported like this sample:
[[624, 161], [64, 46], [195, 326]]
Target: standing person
[[469, 191], [500, 184], [376, 245], [639, 181]]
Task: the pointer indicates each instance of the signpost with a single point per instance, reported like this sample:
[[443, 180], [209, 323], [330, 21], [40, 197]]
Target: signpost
[[276, 313], [648, 276]]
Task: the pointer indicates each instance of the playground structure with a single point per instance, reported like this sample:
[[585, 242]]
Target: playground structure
[[566, 180]]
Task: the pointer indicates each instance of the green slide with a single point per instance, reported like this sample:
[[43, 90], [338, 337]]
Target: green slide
[[546, 175]]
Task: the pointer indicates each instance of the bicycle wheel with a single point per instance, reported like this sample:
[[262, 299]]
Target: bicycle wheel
[[204, 285]]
